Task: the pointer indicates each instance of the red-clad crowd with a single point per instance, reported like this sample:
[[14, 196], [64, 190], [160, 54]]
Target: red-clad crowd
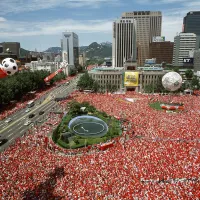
[[12, 108], [157, 156]]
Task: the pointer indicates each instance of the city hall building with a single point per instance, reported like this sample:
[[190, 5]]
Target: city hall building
[[108, 75], [127, 80]]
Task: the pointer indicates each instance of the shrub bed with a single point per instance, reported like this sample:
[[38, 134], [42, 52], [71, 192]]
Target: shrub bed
[[78, 141]]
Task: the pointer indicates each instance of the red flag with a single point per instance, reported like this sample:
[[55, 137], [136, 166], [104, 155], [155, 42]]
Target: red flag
[[2, 73]]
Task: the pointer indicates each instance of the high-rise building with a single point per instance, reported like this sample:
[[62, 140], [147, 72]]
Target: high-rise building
[[82, 59], [70, 48], [162, 51], [191, 23], [124, 44], [10, 48], [149, 24], [183, 44], [197, 60]]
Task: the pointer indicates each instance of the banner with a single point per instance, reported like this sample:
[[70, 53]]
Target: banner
[[188, 60], [131, 78], [150, 61], [159, 39], [3, 74], [48, 78]]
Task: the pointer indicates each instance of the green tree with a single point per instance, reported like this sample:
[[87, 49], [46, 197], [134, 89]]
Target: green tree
[[79, 68], [195, 83], [149, 88], [158, 86], [100, 62], [72, 72], [16, 86], [189, 74], [176, 69], [95, 86], [86, 82]]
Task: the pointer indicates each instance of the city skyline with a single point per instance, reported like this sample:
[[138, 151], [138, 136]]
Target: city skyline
[[41, 26]]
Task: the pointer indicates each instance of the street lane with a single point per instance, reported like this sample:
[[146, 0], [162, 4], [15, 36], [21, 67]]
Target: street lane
[[64, 90], [16, 128]]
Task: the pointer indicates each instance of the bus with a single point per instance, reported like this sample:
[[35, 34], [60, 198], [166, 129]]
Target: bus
[[87, 91], [30, 104]]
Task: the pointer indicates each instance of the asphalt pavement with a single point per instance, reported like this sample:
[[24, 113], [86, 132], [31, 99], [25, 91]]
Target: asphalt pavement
[[46, 103]]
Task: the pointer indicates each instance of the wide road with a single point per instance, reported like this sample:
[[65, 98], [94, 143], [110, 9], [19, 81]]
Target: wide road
[[16, 127]]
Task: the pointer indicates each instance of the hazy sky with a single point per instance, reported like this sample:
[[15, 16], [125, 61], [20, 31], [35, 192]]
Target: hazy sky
[[40, 23]]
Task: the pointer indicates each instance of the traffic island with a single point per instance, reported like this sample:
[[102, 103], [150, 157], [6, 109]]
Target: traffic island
[[82, 127]]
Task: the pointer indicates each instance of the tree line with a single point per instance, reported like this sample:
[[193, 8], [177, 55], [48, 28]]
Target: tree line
[[16, 86], [191, 82]]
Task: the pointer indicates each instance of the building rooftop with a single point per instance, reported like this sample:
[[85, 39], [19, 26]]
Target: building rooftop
[[107, 69], [150, 68]]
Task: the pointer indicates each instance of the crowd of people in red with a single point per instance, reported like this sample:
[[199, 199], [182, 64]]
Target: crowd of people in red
[[12, 108], [157, 156]]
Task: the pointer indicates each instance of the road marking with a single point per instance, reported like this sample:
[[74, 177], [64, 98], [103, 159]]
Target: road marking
[[47, 100], [21, 131], [32, 111], [10, 134]]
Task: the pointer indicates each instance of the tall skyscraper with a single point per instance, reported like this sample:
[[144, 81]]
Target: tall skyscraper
[[149, 24], [183, 44], [197, 60], [124, 45], [70, 48], [11, 47], [191, 23], [162, 51]]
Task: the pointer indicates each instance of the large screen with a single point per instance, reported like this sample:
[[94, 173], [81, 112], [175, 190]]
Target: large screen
[[131, 78], [188, 60]]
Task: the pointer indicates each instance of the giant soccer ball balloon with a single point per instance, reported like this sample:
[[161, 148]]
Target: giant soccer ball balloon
[[9, 65], [172, 81]]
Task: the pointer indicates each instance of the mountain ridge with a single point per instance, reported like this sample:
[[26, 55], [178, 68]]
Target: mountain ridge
[[95, 49]]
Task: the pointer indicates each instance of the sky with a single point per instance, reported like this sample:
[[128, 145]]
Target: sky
[[38, 24]]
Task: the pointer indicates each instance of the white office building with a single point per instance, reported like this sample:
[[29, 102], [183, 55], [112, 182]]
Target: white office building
[[70, 48], [41, 65], [184, 43], [124, 45]]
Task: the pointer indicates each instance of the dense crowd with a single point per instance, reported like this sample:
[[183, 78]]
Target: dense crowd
[[14, 107], [157, 156]]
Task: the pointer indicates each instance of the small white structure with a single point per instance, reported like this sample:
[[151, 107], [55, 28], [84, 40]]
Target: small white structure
[[49, 66], [188, 91], [82, 109]]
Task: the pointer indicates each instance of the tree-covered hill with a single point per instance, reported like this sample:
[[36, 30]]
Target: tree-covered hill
[[55, 50], [101, 50], [95, 49]]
